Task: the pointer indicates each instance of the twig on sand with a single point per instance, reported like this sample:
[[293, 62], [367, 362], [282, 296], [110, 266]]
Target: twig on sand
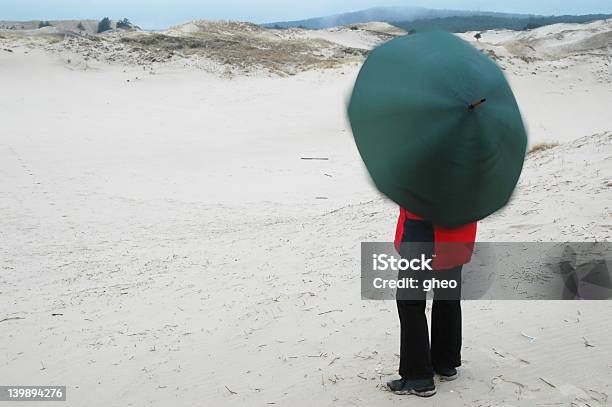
[[10, 318], [497, 379], [331, 310], [230, 390], [529, 337], [509, 354], [548, 383], [314, 158], [370, 356], [523, 360], [138, 333], [601, 396], [333, 360], [587, 343]]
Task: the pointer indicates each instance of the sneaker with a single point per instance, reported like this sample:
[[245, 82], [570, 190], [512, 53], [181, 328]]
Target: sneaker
[[446, 373], [419, 387]]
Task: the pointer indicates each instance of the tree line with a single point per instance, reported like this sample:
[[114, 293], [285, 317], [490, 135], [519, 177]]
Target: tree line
[[481, 23]]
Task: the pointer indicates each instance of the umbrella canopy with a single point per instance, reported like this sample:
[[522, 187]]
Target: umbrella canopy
[[438, 127]]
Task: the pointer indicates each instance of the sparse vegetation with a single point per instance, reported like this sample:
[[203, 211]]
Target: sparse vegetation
[[491, 54], [541, 147], [245, 46], [125, 24], [104, 25], [80, 26], [44, 24]]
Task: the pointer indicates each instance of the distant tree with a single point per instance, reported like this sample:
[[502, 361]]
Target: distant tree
[[125, 23], [44, 24], [534, 22], [478, 36], [531, 25], [80, 26], [104, 25]]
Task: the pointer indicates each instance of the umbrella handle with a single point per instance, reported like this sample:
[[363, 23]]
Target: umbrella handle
[[476, 103]]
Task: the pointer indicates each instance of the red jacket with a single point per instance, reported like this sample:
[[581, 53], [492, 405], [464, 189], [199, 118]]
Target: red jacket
[[446, 256]]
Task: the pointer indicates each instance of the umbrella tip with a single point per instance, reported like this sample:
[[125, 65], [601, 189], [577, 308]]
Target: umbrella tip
[[476, 103]]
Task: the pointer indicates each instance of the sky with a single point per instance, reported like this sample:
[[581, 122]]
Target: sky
[[152, 14]]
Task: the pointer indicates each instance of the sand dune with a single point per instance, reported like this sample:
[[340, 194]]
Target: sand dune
[[554, 41], [164, 243], [220, 47]]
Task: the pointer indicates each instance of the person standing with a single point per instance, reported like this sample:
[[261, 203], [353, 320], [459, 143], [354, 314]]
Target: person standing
[[420, 360]]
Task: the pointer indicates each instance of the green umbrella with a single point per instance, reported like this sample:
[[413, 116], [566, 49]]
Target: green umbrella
[[438, 127]]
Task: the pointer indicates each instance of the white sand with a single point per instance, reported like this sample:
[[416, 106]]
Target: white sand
[[362, 36], [173, 225]]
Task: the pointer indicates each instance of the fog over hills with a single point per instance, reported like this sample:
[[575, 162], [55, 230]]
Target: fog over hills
[[385, 14]]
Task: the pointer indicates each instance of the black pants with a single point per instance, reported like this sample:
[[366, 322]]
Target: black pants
[[417, 358]]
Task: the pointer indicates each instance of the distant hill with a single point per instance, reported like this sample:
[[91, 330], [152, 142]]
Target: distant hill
[[482, 22], [384, 14]]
